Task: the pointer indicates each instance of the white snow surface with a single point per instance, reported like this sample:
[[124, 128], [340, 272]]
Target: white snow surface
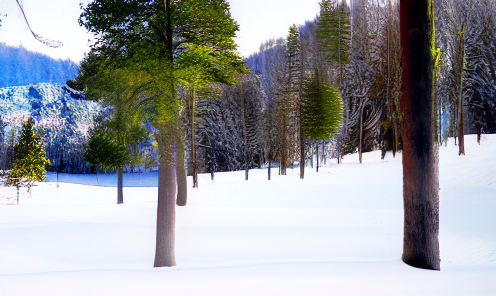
[[337, 232]]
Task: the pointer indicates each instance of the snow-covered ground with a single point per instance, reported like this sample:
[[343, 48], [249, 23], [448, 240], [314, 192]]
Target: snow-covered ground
[[337, 232]]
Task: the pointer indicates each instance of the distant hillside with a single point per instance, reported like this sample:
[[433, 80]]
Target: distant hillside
[[20, 66], [63, 121]]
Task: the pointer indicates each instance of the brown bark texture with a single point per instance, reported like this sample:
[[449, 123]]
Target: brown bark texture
[[166, 213], [420, 153]]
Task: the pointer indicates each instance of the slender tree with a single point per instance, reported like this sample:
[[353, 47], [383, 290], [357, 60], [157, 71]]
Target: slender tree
[[420, 154]]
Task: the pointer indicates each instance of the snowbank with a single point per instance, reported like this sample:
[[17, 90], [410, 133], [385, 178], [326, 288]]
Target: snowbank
[[337, 232]]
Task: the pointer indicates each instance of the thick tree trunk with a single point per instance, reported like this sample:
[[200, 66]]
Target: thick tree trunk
[[166, 209], [420, 154], [120, 195], [182, 185], [166, 214]]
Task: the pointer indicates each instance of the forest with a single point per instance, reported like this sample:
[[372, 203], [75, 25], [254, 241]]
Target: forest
[[22, 67], [346, 158], [252, 118]]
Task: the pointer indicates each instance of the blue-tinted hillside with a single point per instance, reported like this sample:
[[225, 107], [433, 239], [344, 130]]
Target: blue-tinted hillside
[[20, 67]]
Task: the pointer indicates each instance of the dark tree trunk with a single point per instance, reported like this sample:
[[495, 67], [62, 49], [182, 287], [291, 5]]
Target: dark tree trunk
[[302, 158], [420, 154], [270, 166], [182, 185], [361, 135], [317, 153], [461, 131], [324, 152], [120, 195]]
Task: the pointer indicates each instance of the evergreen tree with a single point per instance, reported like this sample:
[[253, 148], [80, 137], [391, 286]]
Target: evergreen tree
[[149, 38], [29, 160], [334, 33], [321, 111]]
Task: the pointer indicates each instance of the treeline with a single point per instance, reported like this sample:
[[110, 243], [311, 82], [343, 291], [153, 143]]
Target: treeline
[[23, 67], [358, 50]]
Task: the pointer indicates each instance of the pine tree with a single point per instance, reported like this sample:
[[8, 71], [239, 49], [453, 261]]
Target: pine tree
[[29, 160], [334, 33], [150, 38]]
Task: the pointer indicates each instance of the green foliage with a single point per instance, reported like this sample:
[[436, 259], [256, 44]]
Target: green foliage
[[105, 152], [133, 40], [29, 159], [334, 30], [321, 110]]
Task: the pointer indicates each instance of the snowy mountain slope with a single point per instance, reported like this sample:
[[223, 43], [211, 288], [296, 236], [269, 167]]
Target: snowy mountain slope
[[62, 120]]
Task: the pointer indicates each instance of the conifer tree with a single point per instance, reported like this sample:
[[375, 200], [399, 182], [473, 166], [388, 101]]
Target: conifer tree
[[334, 33], [29, 160], [321, 110], [149, 38]]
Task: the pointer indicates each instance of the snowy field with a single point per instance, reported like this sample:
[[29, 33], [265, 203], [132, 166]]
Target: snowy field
[[337, 232]]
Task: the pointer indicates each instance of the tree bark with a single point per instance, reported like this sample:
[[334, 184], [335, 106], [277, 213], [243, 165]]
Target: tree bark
[[420, 153], [361, 134], [166, 209], [270, 166], [461, 132], [120, 195], [182, 185], [317, 153], [166, 212], [193, 140]]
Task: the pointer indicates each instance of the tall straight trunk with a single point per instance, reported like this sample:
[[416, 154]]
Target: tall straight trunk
[[420, 151], [461, 131], [166, 209], [361, 134], [324, 153], [245, 136], [317, 153], [270, 166], [300, 127], [193, 140], [182, 185], [282, 166], [166, 212], [120, 197], [311, 156]]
